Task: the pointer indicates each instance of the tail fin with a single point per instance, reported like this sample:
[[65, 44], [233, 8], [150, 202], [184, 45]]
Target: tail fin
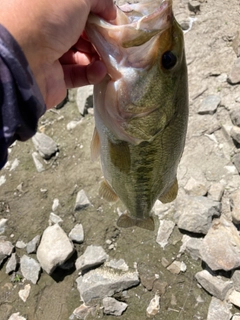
[[125, 221]]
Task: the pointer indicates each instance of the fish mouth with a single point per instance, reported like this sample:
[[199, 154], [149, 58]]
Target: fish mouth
[[135, 25]]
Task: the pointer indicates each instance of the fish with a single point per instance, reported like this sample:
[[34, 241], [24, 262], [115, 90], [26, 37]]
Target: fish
[[140, 107]]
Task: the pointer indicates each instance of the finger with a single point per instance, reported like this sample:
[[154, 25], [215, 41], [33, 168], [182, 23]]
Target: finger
[[105, 9], [78, 75], [72, 57]]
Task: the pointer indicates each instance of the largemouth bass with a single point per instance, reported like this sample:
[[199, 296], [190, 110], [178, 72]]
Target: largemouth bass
[[140, 108]]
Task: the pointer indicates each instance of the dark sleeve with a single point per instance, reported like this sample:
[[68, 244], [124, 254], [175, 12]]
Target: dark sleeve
[[21, 103]]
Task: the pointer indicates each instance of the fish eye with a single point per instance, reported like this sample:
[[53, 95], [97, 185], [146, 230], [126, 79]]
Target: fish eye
[[169, 60]]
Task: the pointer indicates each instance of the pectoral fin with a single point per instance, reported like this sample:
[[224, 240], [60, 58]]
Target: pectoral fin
[[171, 194], [106, 192], [125, 221], [95, 145]]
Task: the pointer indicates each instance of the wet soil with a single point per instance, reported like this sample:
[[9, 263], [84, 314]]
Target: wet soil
[[208, 49]]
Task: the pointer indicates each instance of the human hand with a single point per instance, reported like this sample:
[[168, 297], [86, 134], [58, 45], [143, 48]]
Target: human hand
[[49, 33]]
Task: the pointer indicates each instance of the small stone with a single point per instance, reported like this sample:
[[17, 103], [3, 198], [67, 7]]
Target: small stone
[[194, 6], [236, 161], [44, 145], [6, 248], [33, 244], [20, 244], [77, 233], [221, 246], [37, 161], [16, 316], [195, 214], [236, 43], [235, 205], [234, 76], [196, 188], [154, 306], [54, 249], [235, 134], [83, 311], [209, 105], [92, 257], [235, 117], [176, 267], [54, 218], [24, 293], [102, 282], [30, 268], [117, 264], [73, 124], [55, 204], [215, 285], [12, 263], [113, 307], [3, 223], [81, 201], [236, 316], [165, 230], [219, 310], [234, 298], [215, 192]]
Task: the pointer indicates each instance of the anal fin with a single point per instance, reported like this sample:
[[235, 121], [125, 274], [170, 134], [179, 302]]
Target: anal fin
[[106, 192], [125, 221], [171, 194]]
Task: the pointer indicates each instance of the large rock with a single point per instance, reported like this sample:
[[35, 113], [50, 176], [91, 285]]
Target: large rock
[[54, 249], [213, 284], [6, 248], [92, 257], [195, 214], [221, 246], [104, 282], [219, 310], [30, 268], [44, 145]]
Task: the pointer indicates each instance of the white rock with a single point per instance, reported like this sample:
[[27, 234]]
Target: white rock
[[92, 257], [20, 244], [6, 248], [30, 268], [83, 311], [236, 316], [2, 180], [3, 223], [165, 230], [192, 246], [219, 310], [102, 282], [12, 263], [44, 145], [24, 293], [82, 200], [37, 161], [216, 285], [177, 266], [117, 264], [73, 124], [16, 316], [221, 246], [54, 218], [113, 307], [196, 188], [77, 233], [32, 245], [154, 306], [14, 165], [55, 204], [234, 298], [54, 249]]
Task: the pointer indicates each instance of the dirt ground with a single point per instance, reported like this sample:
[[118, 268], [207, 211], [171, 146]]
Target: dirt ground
[[209, 53]]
